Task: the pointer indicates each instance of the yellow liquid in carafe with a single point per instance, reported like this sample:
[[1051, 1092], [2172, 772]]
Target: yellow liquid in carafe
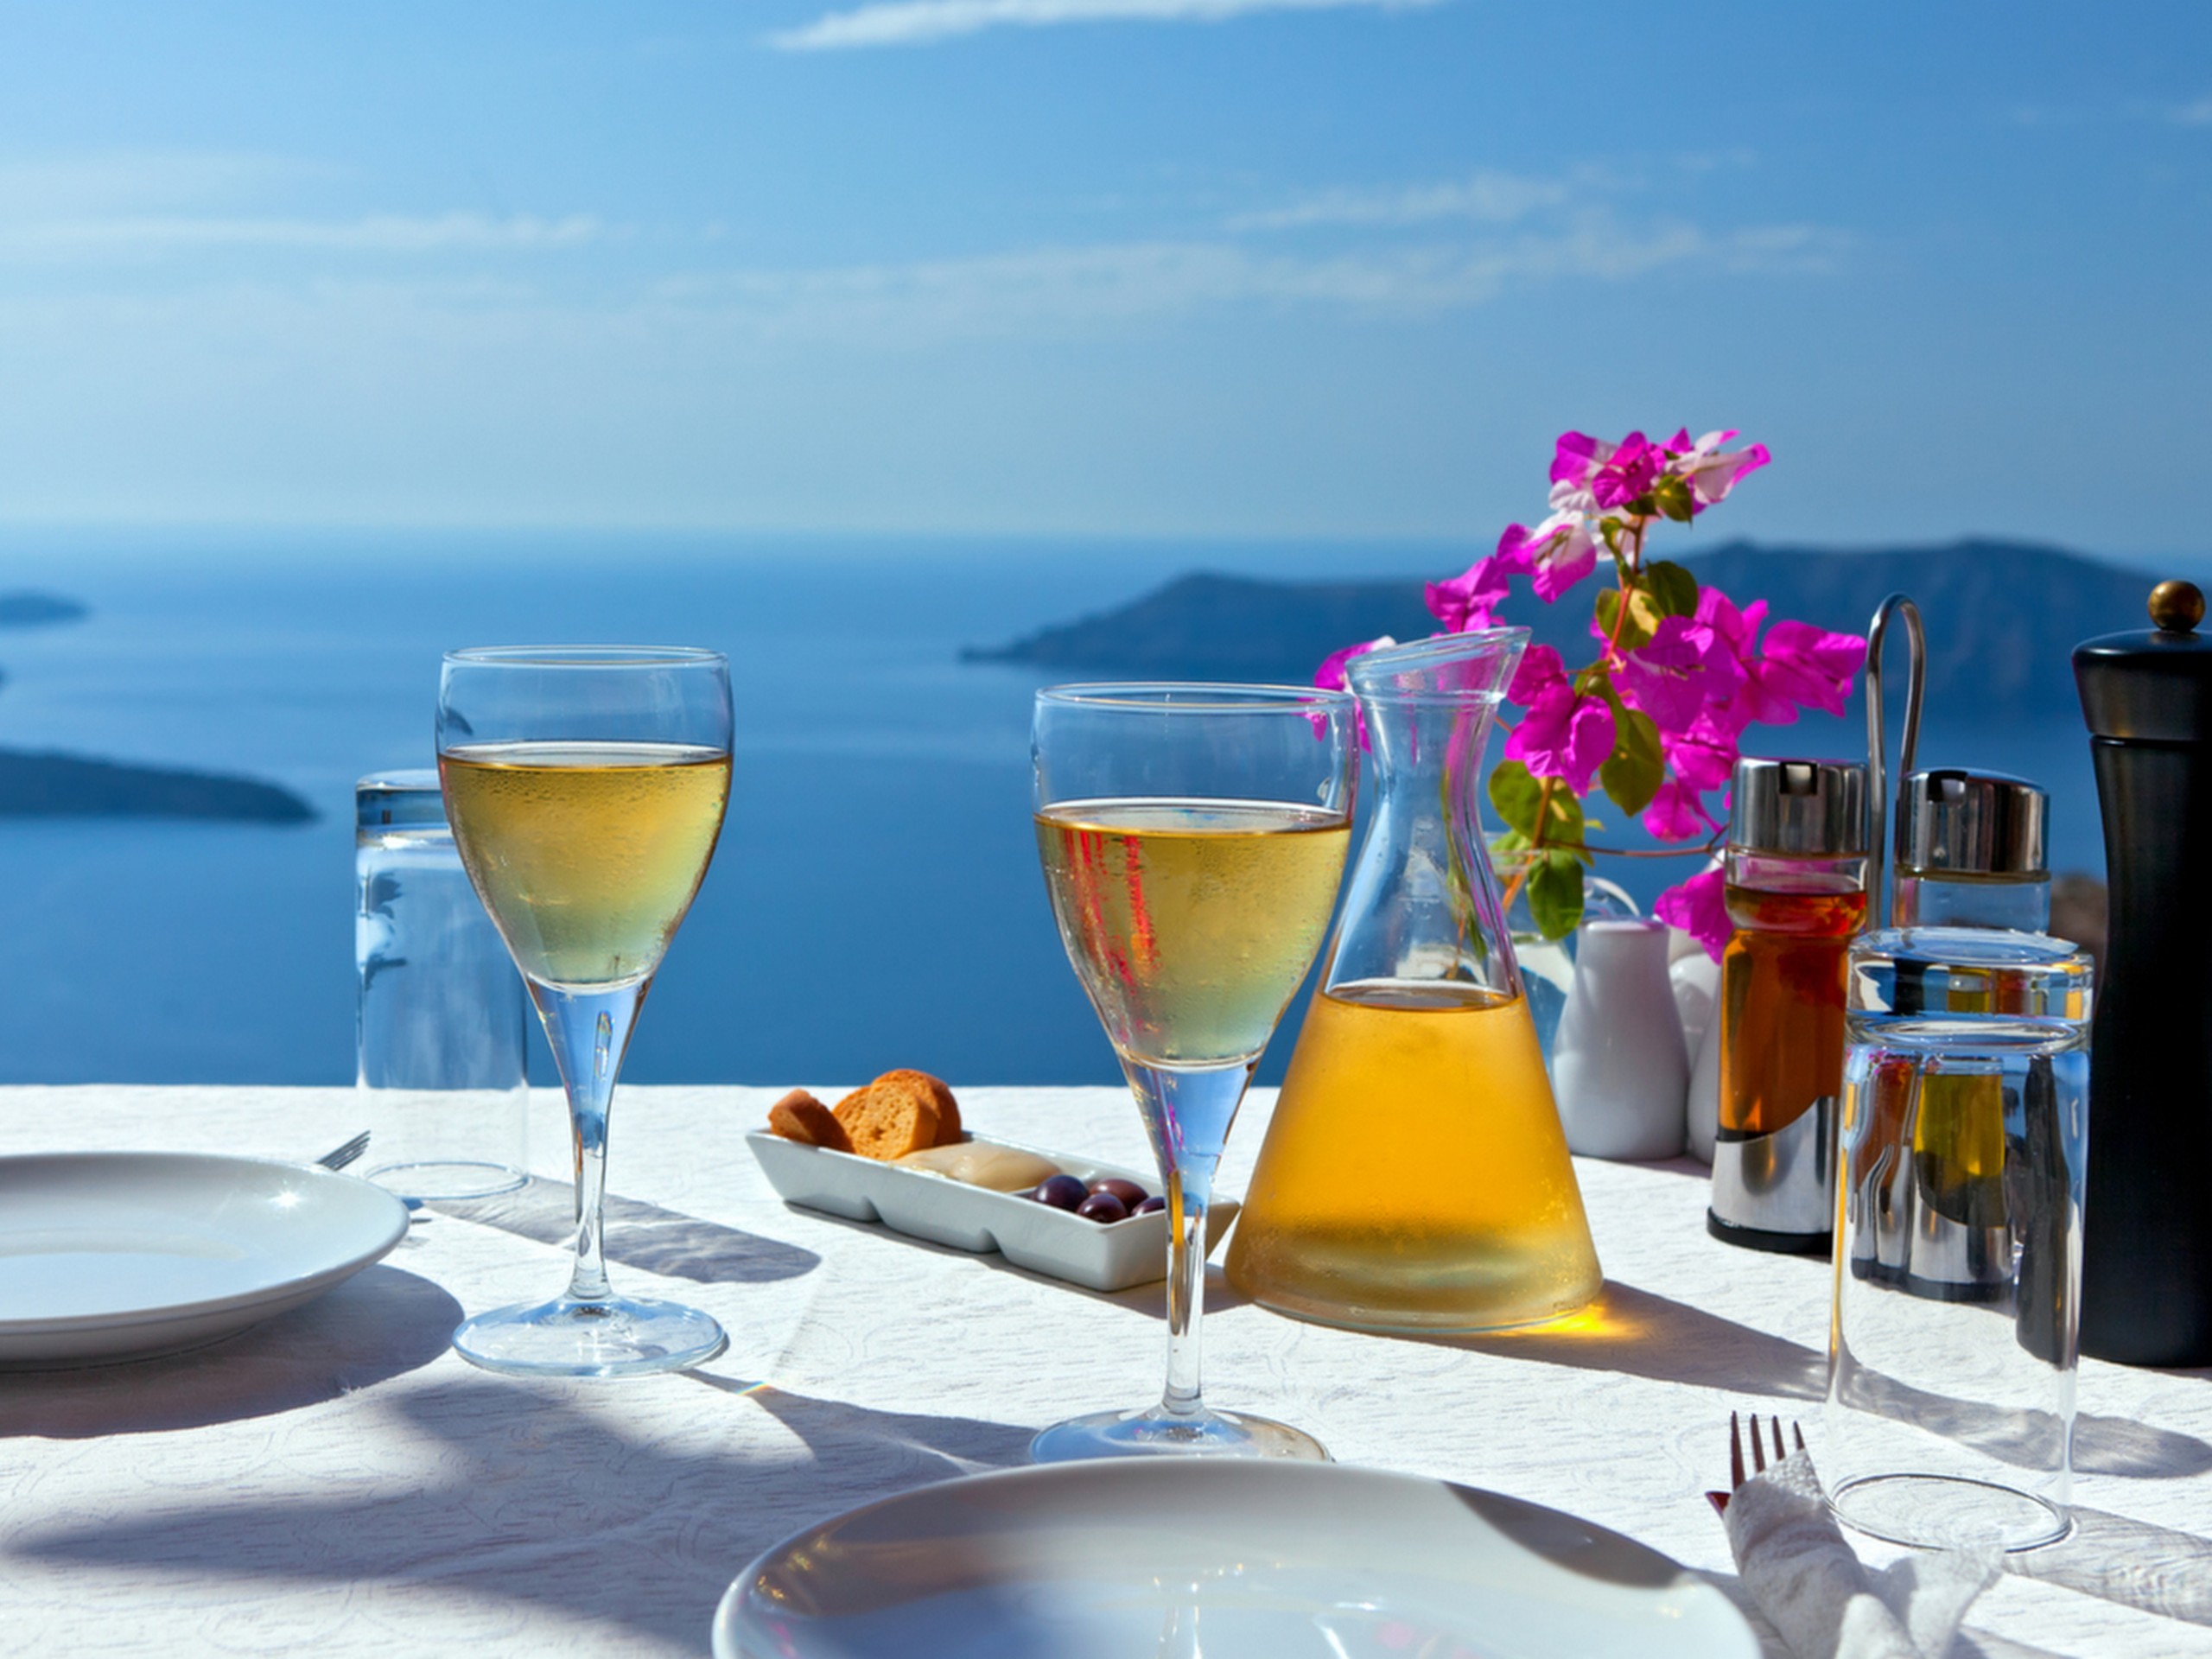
[[1414, 1176]]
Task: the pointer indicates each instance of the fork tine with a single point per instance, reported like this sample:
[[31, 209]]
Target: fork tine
[[1735, 1454], [339, 1157], [1799, 1433], [1759, 1449], [1779, 1453]]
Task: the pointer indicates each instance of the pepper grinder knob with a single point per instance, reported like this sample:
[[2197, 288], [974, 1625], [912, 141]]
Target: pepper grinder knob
[[2176, 606]]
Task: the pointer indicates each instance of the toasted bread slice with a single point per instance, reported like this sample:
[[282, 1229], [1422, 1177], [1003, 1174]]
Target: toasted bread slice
[[949, 1127], [889, 1122], [799, 1117]]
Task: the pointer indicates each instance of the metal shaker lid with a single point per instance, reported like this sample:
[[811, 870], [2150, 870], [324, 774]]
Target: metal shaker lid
[[2154, 687], [1976, 823], [1810, 808]]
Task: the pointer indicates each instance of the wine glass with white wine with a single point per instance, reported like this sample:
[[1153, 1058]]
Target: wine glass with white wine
[[1193, 838], [586, 786]]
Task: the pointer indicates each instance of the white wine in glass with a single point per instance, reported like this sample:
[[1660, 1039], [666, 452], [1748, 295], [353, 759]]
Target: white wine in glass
[[1193, 838], [586, 788]]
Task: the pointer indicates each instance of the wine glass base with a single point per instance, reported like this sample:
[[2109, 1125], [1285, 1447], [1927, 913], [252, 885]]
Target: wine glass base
[[617, 1337], [1152, 1432]]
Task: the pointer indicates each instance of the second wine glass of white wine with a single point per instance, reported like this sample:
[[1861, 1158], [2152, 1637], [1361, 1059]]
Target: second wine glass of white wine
[[1193, 838]]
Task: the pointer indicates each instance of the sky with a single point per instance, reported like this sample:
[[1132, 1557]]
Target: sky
[[1329, 269]]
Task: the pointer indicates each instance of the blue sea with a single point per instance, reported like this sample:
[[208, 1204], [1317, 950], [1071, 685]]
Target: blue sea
[[874, 903]]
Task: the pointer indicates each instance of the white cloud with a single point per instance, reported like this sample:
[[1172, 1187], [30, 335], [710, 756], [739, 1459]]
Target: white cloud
[[1487, 198], [123, 181], [1052, 288], [2198, 114], [371, 234], [914, 22]]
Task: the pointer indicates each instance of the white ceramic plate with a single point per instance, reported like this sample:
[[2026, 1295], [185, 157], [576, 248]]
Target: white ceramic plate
[[1103, 1256], [1144, 1557], [117, 1254]]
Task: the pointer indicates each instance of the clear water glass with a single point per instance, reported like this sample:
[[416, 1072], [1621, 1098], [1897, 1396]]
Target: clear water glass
[[1949, 1419], [442, 1023]]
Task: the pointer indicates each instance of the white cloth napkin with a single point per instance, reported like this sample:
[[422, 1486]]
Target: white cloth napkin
[[1818, 1595]]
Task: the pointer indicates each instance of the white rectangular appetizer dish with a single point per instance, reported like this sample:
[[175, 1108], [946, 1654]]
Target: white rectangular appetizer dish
[[1100, 1255]]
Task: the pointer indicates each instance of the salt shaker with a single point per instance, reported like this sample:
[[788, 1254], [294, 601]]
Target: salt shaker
[[1796, 893]]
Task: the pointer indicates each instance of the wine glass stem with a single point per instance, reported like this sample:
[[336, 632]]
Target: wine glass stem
[[1189, 1192], [589, 1032], [1187, 1111]]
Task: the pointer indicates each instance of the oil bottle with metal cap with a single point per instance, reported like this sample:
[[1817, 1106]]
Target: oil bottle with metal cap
[[1795, 873]]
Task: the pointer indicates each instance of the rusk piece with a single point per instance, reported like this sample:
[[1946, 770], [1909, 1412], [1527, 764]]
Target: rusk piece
[[949, 1126], [799, 1117], [889, 1122]]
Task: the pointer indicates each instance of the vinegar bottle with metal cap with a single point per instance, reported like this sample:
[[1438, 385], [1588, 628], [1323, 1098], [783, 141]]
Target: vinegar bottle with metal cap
[[1796, 893]]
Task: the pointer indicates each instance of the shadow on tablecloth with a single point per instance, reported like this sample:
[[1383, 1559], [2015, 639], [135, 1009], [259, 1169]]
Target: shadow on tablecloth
[[915, 1446], [507, 1500], [1149, 1297], [379, 1324], [1635, 1332], [2131, 1562], [640, 1235]]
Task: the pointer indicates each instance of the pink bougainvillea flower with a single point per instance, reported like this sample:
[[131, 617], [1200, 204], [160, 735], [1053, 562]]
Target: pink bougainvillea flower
[[1709, 470], [1735, 632], [1540, 669], [1470, 601], [1330, 677], [1576, 455], [1698, 907], [1704, 756], [1809, 666], [1557, 553], [1628, 472], [1563, 736], [1677, 813], [1665, 676]]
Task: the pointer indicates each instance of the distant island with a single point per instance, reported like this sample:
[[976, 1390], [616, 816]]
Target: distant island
[[47, 785], [2003, 617], [73, 786], [30, 610]]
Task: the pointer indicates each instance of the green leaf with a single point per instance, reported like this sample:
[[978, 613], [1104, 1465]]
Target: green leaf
[[1555, 895], [1672, 589], [1515, 793], [1672, 496], [1634, 771], [1635, 631]]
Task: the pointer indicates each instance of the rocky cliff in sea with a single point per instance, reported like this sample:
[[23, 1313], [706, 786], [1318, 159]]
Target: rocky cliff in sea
[[2003, 617], [49, 785], [75, 786]]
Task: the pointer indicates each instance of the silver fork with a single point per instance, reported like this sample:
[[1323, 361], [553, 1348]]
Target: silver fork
[[339, 1157], [1719, 1500]]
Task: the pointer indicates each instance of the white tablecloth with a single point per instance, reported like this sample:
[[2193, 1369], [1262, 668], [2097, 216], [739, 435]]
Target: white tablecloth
[[337, 1481]]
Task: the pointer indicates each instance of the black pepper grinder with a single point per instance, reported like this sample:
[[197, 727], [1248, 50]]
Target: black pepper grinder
[[2147, 1266]]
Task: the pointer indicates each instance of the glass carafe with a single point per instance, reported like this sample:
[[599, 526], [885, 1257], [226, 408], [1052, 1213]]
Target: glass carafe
[[1414, 1176]]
